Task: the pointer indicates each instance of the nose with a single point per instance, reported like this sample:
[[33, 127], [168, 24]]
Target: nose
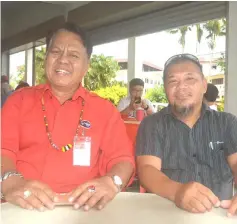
[[182, 85], [63, 58]]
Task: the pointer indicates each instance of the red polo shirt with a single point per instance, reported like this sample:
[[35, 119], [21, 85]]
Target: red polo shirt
[[24, 137]]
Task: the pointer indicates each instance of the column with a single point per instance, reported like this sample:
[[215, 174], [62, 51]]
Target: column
[[134, 62], [231, 59], [29, 66], [5, 58]]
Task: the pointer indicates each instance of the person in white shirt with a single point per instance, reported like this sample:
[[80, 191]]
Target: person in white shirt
[[129, 104], [211, 95]]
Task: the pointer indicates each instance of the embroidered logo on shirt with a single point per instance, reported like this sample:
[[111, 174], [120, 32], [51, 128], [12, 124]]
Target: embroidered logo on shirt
[[85, 124]]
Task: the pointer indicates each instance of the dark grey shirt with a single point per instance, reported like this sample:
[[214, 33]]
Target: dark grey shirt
[[197, 154]]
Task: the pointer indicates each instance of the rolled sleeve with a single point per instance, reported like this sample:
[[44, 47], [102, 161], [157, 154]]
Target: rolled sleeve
[[10, 117], [123, 103], [231, 135], [148, 141], [115, 145], [149, 103]]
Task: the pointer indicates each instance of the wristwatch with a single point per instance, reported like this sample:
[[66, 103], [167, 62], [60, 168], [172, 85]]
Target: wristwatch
[[6, 176], [118, 182]]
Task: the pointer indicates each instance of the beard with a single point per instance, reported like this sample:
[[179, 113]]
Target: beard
[[183, 111]]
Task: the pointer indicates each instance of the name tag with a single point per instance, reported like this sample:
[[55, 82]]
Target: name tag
[[82, 151]]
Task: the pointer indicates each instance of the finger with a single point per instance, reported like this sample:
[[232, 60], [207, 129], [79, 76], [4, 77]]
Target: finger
[[82, 199], [103, 202], [211, 196], [51, 195], [204, 200], [77, 192], [35, 202], [194, 203], [233, 208], [93, 200], [17, 200], [194, 210], [44, 198], [225, 204]]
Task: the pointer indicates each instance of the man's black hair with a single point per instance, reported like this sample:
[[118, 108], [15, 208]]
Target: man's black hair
[[73, 28], [136, 82], [211, 93]]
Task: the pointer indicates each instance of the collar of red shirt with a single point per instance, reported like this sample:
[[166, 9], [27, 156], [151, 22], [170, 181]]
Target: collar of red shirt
[[81, 91]]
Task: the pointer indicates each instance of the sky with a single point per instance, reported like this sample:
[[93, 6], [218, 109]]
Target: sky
[[155, 48]]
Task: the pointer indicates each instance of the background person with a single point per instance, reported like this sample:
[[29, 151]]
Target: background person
[[128, 105], [211, 95]]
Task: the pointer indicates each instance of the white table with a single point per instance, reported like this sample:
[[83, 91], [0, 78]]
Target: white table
[[125, 208]]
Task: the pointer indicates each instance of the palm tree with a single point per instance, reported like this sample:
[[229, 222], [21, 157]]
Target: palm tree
[[199, 30], [183, 31], [214, 28]]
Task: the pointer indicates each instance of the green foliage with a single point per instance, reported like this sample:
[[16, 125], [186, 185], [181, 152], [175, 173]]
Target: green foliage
[[221, 62], [183, 31], [40, 76], [112, 93], [220, 105], [14, 81], [216, 27], [101, 73], [157, 94]]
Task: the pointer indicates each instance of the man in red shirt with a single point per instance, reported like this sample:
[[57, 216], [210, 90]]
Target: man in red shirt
[[60, 138]]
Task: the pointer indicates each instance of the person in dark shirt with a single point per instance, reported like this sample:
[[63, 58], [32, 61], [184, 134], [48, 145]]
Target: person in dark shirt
[[187, 152]]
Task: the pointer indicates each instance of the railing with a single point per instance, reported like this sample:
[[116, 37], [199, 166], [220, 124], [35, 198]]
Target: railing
[[159, 106]]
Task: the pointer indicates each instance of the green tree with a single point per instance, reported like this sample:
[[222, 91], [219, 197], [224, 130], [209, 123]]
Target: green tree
[[112, 93], [101, 73], [182, 31], [40, 76], [220, 105], [199, 33], [14, 81], [157, 95], [221, 62], [214, 28]]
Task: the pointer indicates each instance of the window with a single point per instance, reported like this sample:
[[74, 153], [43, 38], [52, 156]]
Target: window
[[217, 81], [17, 68]]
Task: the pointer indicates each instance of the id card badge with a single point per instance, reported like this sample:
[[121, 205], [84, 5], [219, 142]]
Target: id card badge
[[82, 151]]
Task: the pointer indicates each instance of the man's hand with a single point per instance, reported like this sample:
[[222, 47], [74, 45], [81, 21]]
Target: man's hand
[[231, 205], [41, 195], [133, 105], [195, 198], [105, 191], [144, 105]]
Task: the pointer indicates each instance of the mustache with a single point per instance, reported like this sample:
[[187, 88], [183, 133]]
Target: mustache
[[182, 94]]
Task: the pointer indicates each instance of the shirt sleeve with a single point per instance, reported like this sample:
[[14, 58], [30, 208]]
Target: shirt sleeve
[[230, 140], [122, 105], [149, 141], [115, 145], [10, 116], [149, 103]]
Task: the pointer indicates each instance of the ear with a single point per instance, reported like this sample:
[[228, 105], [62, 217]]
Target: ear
[[86, 67], [204, 85]]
